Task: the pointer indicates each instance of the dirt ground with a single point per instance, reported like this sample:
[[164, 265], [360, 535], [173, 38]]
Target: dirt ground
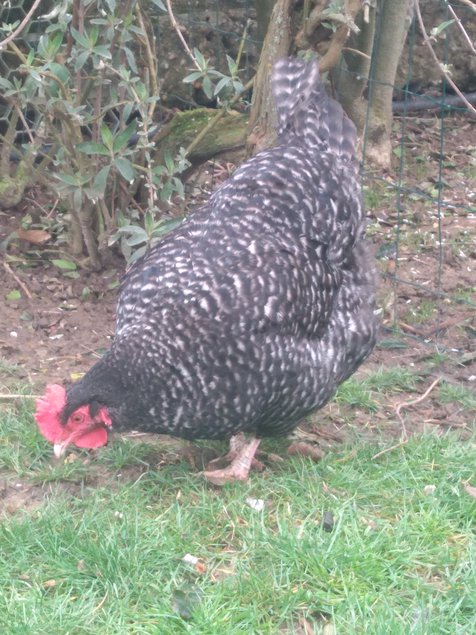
[[55, 326]]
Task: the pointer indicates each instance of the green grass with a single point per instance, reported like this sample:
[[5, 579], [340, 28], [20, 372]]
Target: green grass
[[458, 394], [364, 391], [101, 550]]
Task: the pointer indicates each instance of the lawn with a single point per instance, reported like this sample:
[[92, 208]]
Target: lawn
[[124, 543]]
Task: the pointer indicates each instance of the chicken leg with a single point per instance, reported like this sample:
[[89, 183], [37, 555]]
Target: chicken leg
[[242, 454]]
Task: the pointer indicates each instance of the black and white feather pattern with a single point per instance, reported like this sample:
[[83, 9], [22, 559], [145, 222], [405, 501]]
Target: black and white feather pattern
[[251, 313]]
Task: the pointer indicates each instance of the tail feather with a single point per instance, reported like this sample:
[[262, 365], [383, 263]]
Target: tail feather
[[305, 110]]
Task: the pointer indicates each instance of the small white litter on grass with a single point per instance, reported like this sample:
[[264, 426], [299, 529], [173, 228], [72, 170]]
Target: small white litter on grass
[[257, 504]]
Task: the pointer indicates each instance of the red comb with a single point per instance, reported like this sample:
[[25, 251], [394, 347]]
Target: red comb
[[47, 412]]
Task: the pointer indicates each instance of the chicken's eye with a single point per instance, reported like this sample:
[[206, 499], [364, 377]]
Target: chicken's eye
[[77, 418]]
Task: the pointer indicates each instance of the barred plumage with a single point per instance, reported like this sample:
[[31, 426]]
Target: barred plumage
[[250, 314]]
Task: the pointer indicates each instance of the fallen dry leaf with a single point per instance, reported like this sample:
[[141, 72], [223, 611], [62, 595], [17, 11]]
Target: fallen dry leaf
[[306, 449], [470, 489], [49, 583], [199, 566], [307, 627], [34, 236]]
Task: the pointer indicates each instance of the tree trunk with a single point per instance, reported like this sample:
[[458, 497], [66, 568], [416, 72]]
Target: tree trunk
[[264, 9], [277, 43], [390, 33], [369, 55], [351, 77]]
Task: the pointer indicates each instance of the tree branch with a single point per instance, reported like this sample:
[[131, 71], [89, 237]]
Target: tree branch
[[438, 63], [462, 29], [22, 25], [470, 4], [176, 27]]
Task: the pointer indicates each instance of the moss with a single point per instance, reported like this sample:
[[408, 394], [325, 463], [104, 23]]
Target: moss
[[228, 133], [12, 188]]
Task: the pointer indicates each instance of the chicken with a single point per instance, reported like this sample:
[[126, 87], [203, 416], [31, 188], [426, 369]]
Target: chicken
[[248, 316]]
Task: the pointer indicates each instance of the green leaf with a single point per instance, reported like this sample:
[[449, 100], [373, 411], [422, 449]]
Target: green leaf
[[93, 35], [4, 83], [102, 51], [80, 38], [165, 227], [13, 295], [167, 191], [201, 61], [35, 75], [132, 241], [78, 199], [169, 162], [192, 77], [441, 27], [91, 147], [138, 253], [81, 60], [148, 223], [127, 112], [106, 136], [125, 168], [131, 229], [238, 86], [231, 65], [43, 45], [69, 179], [123, 137], [178, 185], [64, 264], [98, 188], [221, 84], [131, 60], [207, 87], [159, 4]]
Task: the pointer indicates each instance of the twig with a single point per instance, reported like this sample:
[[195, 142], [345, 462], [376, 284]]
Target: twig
[[13, 396], [410, 329], [393, 447], [25, 289], [151, 61], [242, 44], [439, 422], [24, 122], [176, 27], [91, 350], [461, 27], [357, 52], [438, 63], [445, 325], [101, 603], [21, 26], [470, 4], [407, 404]]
